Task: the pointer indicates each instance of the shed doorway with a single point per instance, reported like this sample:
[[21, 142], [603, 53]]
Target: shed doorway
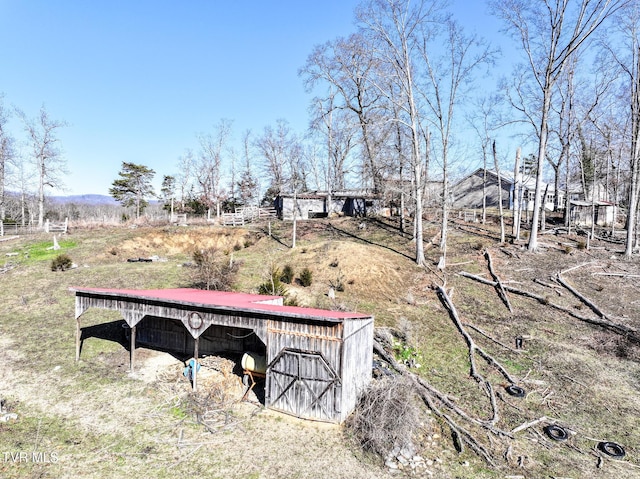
[[223, 341], [303, 383]]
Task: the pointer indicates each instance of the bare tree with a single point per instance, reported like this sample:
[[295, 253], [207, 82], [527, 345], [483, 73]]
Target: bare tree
[[248, 183], [396, 27], [45, 153], [212, 146], [348, 67], [550, 32], [184, 178], [338, 129], [281, 154], [7, 156], [627, 60], [449, 75]]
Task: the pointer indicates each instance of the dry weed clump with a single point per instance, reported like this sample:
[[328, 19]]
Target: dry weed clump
[[386, 416], [213, 270]]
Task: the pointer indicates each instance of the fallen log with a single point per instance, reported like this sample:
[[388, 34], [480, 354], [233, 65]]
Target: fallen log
[[581, 297], [501, 291], [622, 275], [436, 401], [473, 348], [631, 333]]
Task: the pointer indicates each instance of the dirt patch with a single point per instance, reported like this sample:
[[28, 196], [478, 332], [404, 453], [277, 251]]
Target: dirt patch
[[183, 241]]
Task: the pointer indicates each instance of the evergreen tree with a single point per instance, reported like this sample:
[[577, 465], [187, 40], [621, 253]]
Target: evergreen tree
[[133, 186]]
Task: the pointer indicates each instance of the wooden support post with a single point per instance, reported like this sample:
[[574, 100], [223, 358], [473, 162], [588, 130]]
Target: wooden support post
[[132, 352], [195, 364], [78, 334]]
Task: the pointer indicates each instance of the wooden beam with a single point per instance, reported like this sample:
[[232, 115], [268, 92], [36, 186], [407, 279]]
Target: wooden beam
[[78, 334], [132, 351], [195, 364]]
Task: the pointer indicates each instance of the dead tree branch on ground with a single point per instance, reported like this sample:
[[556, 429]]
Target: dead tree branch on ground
[[631, 333], [582, 298], [473, 348], [501, 292], [436, 401]]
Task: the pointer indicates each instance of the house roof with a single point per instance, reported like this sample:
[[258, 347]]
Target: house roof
[[221, 300], [528, 181], [361, 193], [591, 203]]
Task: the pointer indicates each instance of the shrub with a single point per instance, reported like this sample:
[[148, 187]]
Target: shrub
[[213, 270], [273, 285], [287, 274], [62, 262], [386, 416], [338, 283], [291, 301], [306, 277]]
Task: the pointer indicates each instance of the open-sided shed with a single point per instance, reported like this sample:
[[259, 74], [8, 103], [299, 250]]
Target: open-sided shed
[[318, 361]]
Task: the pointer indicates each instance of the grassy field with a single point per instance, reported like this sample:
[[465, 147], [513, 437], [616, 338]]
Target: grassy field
[[94, 419]]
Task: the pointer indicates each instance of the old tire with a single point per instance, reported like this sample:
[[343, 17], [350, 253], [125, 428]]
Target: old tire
[[556, 433], [611, 449], [515, 391]]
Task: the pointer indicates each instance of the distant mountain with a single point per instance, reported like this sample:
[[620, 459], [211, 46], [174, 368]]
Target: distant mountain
[[84, 200]]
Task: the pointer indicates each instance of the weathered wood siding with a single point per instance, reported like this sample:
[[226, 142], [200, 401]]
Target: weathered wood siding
[[314, 360], [317, 366], [133, 311], [357, 360]]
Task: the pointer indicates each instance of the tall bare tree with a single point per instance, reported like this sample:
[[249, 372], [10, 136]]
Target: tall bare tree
[[45, 152], [248, 184], [396, 28], [281, 153], [448, 76], [550, 32], [184, 178], [627, 60], [209, 168], [7, 156], [349, 68]]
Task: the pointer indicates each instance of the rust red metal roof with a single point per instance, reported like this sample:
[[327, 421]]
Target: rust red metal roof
[[221, 299]]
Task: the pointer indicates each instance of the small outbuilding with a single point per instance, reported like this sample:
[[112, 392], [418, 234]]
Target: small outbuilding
[[583, 213], [317, 361], [321, 204]]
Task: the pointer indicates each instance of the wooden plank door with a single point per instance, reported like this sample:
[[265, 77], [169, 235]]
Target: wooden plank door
[[303, 383]]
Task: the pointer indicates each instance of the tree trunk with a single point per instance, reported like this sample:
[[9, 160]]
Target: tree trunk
[[517, 200], [500, 212], [542, 147], [635, 157]]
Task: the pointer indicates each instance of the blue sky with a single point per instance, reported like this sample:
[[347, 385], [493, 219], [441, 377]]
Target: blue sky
[[136, 81]]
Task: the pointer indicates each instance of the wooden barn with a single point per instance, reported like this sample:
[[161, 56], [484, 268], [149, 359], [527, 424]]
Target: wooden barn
[[318, 361]]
